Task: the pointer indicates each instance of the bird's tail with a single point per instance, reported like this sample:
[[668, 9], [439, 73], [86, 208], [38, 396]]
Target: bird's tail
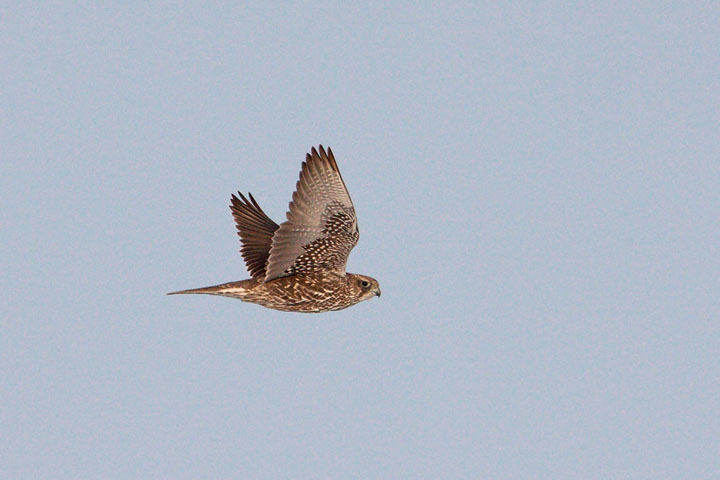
[[232, 289]]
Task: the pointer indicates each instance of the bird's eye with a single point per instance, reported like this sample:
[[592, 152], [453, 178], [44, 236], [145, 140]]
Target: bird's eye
[[365, 283]]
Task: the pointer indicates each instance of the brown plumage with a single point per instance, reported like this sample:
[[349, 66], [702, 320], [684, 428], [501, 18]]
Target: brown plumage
[[299, 265]]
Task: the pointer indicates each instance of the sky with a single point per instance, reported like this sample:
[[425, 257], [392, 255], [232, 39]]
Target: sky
[[538, 192]]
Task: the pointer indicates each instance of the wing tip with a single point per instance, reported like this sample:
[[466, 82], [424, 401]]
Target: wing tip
[[325, 157]]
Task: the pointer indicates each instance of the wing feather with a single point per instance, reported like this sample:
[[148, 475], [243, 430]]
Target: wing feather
[[256, 231], [321, 227]]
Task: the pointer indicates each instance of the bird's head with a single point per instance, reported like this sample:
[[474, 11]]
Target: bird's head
[[364, 287]]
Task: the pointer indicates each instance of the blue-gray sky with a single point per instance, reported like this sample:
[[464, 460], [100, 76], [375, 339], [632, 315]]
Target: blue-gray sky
[[538, 193]]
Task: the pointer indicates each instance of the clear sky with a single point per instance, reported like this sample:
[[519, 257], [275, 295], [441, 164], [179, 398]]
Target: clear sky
[[538, 193]]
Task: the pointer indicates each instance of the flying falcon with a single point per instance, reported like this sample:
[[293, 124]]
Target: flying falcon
[[299, 266]]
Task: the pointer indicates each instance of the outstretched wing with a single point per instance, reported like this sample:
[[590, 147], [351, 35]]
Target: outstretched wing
[[321, 227], [256, 231]]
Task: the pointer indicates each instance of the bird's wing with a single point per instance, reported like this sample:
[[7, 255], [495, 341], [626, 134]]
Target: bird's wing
[[256, 231], [321, 227]]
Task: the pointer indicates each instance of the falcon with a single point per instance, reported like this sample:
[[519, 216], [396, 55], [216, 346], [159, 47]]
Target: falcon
[[299, 265]]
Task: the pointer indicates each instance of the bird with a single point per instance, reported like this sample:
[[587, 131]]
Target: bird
[[299, 265]]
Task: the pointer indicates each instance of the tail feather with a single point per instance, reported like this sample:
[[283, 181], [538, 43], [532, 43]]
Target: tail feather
[[232, 289], [209, 290]]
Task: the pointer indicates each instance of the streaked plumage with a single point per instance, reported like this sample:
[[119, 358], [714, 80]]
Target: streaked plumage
[[299, 265]]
